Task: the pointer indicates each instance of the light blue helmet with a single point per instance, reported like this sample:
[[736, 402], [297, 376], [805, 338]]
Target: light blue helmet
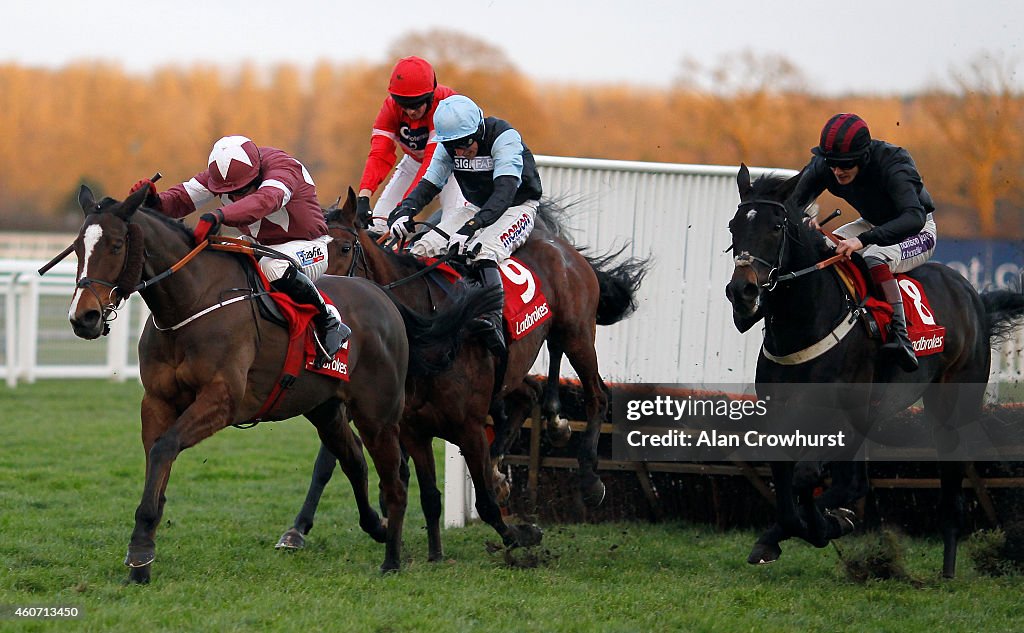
[[457, 117]]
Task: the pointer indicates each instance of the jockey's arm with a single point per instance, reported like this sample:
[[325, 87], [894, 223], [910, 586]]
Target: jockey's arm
[[908, 223], [180, 200], [505, 188], [507, 151]]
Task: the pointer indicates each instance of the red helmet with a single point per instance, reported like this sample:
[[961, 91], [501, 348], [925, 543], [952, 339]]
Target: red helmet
[[412, 81], [234, 163], [844, 138]]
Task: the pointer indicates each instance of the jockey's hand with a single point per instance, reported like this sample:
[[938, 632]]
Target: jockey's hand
[[363, 211], [849, 246], [812, 221], [457, 242], [152, 200], [208, 223], [402, 227]]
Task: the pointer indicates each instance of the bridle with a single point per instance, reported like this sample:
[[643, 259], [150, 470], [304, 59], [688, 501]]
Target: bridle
[[744, 258], [128, 280]]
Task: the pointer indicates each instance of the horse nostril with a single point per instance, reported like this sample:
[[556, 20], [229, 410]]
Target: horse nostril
[[87, 320], [749, 291]]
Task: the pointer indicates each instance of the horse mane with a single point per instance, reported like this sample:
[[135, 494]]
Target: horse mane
[[771, 187], [176, 225]]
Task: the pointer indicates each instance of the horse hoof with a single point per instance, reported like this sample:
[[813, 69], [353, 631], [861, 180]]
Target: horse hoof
[[389, 567], [138, 576], [377, 530], [291, 540], [762, 554], [845, 520], [593, 494], [138, 562], [528, 535], [559, 432]]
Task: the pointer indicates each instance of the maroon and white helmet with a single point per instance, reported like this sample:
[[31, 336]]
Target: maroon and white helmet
[[234, 163]]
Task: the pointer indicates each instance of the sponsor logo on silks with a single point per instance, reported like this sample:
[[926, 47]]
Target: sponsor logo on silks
[[480, 163], [515, 231], [310, 256], [531, 318]]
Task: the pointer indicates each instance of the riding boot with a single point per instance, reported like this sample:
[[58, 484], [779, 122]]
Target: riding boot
[[490, 325], [899, 347], [334, 333]]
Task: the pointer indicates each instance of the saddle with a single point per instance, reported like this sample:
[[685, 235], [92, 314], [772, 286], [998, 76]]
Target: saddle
[[525, 307], [926, 335], [279, 308]]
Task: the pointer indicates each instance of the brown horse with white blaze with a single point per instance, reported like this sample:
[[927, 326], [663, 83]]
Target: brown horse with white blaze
[[208, 359]]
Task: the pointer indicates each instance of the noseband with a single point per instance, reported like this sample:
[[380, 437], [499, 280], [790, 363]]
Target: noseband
[[746, 259]]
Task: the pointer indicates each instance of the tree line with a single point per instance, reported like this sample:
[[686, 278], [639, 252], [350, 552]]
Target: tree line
[[97, 124]]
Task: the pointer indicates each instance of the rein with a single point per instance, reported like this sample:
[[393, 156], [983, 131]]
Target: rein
[[774, 278], [361, 255]]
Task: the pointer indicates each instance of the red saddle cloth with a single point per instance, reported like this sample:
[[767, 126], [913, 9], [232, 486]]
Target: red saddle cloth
[[926, 335], [525, 307]]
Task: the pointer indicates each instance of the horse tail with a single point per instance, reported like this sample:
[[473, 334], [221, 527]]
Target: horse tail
[[435, 340], [619, 283], [1004, 313]]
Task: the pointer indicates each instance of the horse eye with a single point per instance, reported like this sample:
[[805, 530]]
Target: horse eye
[[346, 248], [117, 246]]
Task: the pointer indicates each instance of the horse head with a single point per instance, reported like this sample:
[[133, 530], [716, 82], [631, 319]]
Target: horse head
[[761, 229], [110, 251], [343, 226]]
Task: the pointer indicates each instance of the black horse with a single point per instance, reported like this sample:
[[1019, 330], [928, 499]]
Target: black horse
[[769, 240]]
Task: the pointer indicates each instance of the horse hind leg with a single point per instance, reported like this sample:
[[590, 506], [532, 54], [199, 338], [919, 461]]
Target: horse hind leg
[[340, 443], [294, 537], [558, 429], [381, 439], [583, 358], [422, 454], [950, 403]]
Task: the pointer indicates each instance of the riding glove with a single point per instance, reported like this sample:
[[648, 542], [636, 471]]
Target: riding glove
[[363, 212], [152, 199], [208, 223], [402, 227], [457, 242]]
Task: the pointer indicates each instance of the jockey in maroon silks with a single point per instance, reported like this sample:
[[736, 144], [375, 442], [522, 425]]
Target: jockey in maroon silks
[[269, 196], [406, 121], [896, 230]]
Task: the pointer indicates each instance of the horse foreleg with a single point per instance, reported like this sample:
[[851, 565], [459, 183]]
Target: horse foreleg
[[323, 468], [422, 454], [788, 522], [951, 511], [163, 438], [473, 444]]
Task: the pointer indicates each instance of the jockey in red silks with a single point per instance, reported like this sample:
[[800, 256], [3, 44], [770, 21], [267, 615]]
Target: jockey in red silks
[[405, 120], [269, 196], [896, 230]]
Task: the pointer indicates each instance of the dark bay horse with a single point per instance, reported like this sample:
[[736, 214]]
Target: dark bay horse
[[581, 292], [208, 359], [769, 240]]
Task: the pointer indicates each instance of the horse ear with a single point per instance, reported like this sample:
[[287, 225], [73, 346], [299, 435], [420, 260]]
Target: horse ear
[[348, 210], [86, 200], [132, 203], [743, 180]]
